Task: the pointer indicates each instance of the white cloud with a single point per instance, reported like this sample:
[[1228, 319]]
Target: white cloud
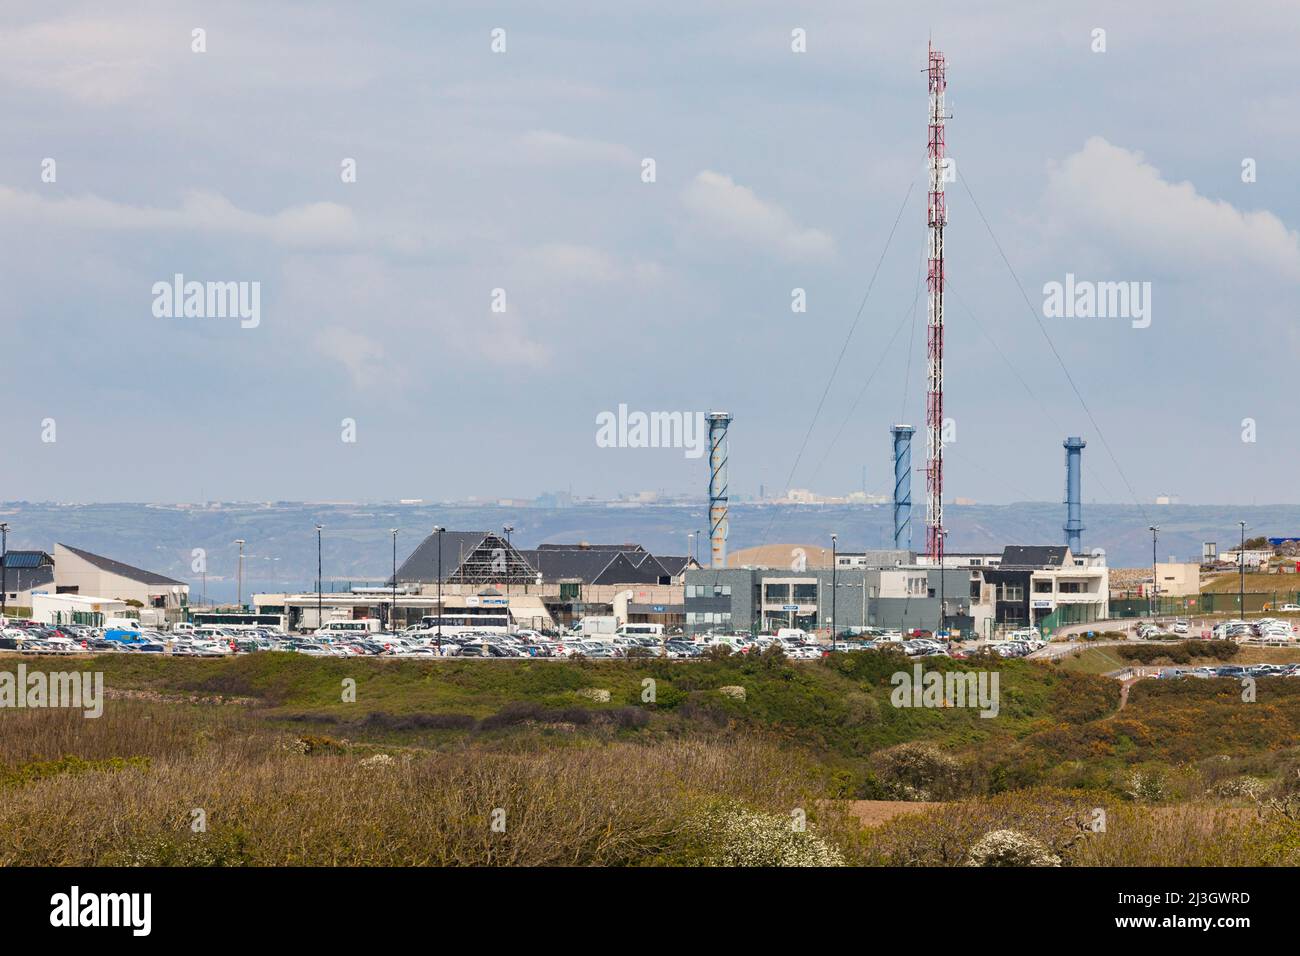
[[362, 357], [563, 260], [377, 318], [549, 146], [96, 61], [309, 225], [1110, 194], [731, 211]]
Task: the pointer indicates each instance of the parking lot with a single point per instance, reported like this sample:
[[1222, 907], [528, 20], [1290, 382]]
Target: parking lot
[[25, 637]]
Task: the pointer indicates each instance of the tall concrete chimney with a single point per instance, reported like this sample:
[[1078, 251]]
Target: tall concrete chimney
[[1073, 497]]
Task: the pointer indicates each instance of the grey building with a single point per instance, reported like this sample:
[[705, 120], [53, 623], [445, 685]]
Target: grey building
[[765, 599]]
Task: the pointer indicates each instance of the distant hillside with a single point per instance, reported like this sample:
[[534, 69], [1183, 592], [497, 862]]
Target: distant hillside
[[281, 542]]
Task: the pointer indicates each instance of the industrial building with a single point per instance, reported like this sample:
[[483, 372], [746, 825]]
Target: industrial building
[[1043, 586], [480, 574], [25, 573], [1178, 578], [981, 595], [104, 582], [758, 600]]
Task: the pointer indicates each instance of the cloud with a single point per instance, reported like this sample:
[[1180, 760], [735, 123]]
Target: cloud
[[563, 260], [377, 317], [310, 225], [95, 61], [362, 357], [549, 146], [731, 211], [1112, 195]]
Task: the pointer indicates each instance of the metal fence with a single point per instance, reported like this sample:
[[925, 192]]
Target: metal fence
[[1207, 603]]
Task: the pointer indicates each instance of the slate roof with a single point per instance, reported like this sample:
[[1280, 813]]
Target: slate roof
[[421, 566], [122, 570], [1034, 556], [597, 565]]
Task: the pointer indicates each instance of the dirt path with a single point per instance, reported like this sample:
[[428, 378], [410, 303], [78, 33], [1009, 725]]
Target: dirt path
[[872, 813]]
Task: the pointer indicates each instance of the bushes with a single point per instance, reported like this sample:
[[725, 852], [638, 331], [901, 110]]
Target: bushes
[[1079, 698], [617, 804], [732, 835], [1180, 653], [947, 835], [1010, 848], [918, 771]]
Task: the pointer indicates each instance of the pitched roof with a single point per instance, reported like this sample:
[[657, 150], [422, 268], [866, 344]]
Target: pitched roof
[[1034, 556], [624, 570], [421, 566], [673, 564], [554, 564], [122, 570], [473, 557], [602, 565]]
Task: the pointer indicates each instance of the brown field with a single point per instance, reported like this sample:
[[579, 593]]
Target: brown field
[[872, 813]]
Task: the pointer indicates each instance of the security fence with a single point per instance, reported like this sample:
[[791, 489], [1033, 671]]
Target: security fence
[[1207, 603]]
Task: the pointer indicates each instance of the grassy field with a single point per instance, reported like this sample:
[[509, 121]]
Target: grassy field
[[1093, 660], [525, 762], [1103, 660], [1286, 585]]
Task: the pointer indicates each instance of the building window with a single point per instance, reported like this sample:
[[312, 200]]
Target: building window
[[805, 593], [777, 592], [1072, 587], [1012, 593], [1044, 587]]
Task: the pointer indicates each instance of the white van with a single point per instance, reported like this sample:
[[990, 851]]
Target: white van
[[792, 635], [641, 630], [346, 629]]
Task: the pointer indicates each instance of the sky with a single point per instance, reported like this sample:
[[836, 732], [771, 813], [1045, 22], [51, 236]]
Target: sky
[[500, 274]]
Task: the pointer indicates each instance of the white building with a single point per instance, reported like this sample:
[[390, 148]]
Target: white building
[[161, 599], [75, 609]]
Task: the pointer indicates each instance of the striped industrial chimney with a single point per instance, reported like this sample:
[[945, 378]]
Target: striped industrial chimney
[[718, 451], [902, 486]]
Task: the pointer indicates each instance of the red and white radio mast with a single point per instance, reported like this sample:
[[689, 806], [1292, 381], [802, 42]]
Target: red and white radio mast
[[938, 217]]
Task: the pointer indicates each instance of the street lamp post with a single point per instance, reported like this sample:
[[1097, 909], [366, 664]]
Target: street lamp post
[[1155, 533], [1241, 566], [943, 585], [4, 568], [239, 576], [438, 530], [320, 617], [392, 607], [834, 589], [690, 544]]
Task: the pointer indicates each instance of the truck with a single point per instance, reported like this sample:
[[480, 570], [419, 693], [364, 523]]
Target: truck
[[597, 628]]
